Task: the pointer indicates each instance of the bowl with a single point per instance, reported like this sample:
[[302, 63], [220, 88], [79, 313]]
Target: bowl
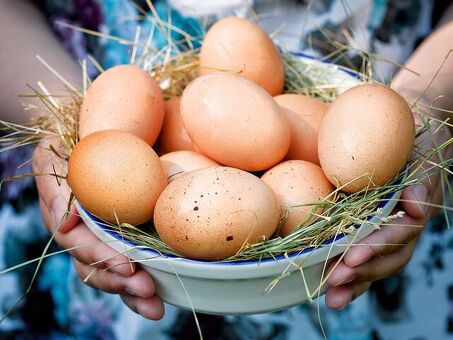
[[242, 287]]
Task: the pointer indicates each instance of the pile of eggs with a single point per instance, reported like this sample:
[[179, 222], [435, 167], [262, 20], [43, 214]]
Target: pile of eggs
[[239, 161]]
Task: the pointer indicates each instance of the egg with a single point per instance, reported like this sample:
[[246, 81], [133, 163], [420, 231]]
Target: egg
[[366, 137], [123, 98], [211, 213], [173, 136], [296, 184], [177, 163], [305, 115], [238, 45], [235, 122], [116, 174]]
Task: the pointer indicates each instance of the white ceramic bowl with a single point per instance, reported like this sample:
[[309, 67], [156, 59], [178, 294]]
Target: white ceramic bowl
[[234, 287], [239, 287]]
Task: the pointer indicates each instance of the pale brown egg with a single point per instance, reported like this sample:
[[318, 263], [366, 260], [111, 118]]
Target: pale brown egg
[[177, 163], [211, 213], [296, 184], [366, 134], [235, 122], [305, 115], [173, 136], [116, 174], [123, 98], [238, 45]]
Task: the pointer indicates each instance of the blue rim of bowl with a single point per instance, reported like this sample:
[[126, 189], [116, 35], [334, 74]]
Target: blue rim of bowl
[[338, 237]]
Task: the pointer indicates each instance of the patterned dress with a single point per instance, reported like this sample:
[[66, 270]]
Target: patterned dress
[[417, 304]]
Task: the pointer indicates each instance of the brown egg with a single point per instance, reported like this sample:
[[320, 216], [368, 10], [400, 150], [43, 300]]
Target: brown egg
[[305, 115], [173, 136], [123, 98], [113, 172], [235, 122], [297, 183], [178, 163], [238, 45], [211, 213], [367, 133]]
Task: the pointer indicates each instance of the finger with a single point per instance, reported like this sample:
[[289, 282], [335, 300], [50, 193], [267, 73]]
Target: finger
[[152, 308], [416, 200], [339, 297], [139, 285], [64, 223], [88, 249], [387, 239], [376, 269], [383, 267], [53, 193], [338, 273], [96, 278]]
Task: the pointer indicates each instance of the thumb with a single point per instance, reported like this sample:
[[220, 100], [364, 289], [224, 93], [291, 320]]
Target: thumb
[[54, 192]]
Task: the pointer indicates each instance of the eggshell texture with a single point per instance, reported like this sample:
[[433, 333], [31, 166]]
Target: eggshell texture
[[123, 98], [296, 183], [210, 213], [235, 44], [305, 115], [235, 122], [368, 132], [178, 163], [115, 172], [173, 136]]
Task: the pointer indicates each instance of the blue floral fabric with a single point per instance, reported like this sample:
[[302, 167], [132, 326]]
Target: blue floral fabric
[[417, 304]]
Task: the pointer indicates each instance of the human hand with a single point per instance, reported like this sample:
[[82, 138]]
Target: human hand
[[96, 263], [391, 247]]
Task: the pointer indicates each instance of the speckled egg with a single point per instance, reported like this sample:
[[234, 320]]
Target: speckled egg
[[177, 163], [123, 98], [116, 173], [366, 137], [238, 45], [296, 184], [173, 136], [211, 213], [235, 122], [305, 115]]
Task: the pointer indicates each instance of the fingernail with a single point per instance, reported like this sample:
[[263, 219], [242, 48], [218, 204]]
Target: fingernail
[[133, 292], [420, 192], [59, 206]]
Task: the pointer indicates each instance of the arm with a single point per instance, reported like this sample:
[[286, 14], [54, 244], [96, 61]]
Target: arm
[[24, 33], [426, 60], [363, 265]]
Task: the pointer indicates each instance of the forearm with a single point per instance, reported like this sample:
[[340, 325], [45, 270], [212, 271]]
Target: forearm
[[24, 34], [426, 61]]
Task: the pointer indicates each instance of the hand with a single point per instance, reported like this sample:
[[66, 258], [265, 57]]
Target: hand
[[363, 265], [113, 273]]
